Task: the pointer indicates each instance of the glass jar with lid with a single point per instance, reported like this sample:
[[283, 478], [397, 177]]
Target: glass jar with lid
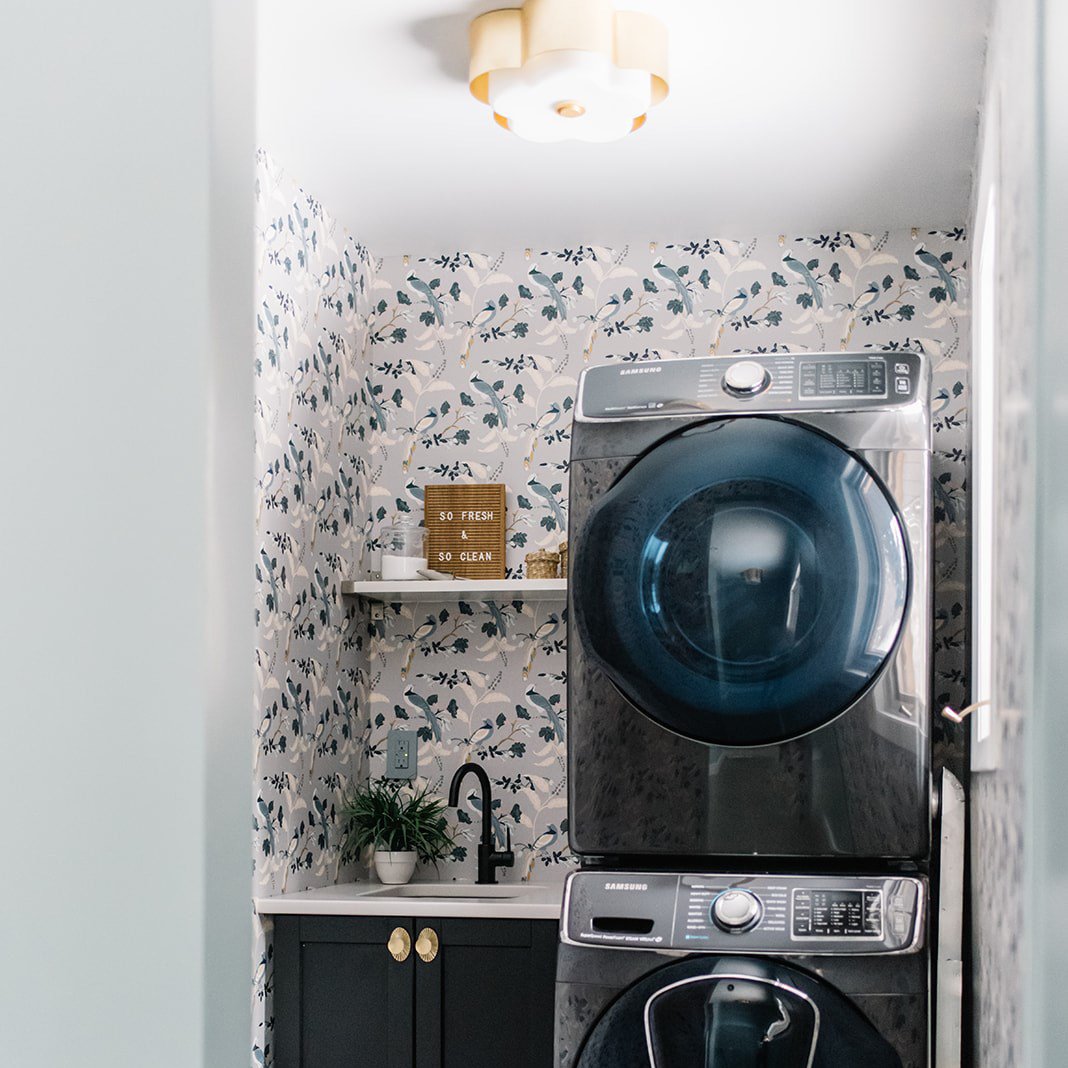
[[403, 549]]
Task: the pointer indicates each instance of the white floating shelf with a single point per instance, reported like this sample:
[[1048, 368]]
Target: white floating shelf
[[457, 590]]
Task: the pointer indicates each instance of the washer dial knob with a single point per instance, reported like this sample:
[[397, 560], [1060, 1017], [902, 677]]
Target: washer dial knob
[[746, 378], [736, 911]]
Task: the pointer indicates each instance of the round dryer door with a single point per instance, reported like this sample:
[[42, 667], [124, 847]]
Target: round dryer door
[[734, 1012], [743, 582]]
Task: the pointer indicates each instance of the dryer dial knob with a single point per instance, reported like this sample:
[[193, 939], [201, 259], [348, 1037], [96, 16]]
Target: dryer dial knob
[[746, 378], [736, 911]]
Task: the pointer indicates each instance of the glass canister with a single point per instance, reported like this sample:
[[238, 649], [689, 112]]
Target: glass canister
[[403, 549]]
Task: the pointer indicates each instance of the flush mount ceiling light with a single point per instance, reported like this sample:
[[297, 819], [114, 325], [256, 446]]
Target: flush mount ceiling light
[[559, 70]]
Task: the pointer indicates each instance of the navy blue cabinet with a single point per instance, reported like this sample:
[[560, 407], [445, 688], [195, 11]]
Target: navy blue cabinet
[[343, 1000]]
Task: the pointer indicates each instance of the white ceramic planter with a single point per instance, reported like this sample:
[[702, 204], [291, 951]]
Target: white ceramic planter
[[393, 867]]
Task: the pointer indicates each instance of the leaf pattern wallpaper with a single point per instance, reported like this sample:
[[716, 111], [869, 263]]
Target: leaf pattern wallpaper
[[311, 422], [378, 376]]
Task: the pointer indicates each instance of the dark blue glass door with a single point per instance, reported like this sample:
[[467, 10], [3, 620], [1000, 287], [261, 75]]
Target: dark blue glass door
[[734, 1012], [743, 582]]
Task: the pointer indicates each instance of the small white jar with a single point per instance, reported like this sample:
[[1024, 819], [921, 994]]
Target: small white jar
[[403, 550]]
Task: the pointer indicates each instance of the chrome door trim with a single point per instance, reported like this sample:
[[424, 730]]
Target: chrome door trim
[[737, 978]]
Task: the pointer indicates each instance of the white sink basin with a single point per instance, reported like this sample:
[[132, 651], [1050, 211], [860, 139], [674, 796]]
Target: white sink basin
[[451, 890]]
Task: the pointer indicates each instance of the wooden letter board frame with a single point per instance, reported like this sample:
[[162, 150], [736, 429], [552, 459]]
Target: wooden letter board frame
[[465, 529]]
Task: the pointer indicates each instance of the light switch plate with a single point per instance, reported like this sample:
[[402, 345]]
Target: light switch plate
[[402, 754]]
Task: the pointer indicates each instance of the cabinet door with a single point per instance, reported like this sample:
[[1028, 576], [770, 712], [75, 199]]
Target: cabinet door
[[340, 999], [486, 1000]]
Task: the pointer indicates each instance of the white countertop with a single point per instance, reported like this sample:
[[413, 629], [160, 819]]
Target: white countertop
[[504, 901]]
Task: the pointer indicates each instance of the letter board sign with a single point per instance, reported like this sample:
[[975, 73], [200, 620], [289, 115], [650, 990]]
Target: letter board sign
[[465, 529]]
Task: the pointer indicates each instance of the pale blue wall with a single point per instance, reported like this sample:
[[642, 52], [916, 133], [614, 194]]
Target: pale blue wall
[[1008, 154], [1046, 1019], [125, 681]]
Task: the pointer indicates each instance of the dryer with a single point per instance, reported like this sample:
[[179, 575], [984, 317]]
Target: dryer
[[659, 970], [749, 605]]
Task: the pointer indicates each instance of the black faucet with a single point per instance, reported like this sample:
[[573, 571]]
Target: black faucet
[[489, 859]]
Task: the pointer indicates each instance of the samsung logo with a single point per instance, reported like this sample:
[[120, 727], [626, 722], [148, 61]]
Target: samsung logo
[[641, 370], [626, 886]]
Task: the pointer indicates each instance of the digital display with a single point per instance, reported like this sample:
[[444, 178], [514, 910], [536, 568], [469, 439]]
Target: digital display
[[837, 914], [843, 378]]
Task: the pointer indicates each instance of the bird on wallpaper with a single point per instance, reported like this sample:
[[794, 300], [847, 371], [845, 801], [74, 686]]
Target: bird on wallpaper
[[733, 306], [542, 634], [555, 722], [481, 320], [419, 704], [673, 278], [933, 263], [546, 421], [422, 633], [479, 736], [940, 401], [265, 723], [547, 495], [545, 840], [414, 491], [475, 801], [491, 395], [541, 279], [605, 310], [865, 300], [422, 427], [417, 285], [806, 276]]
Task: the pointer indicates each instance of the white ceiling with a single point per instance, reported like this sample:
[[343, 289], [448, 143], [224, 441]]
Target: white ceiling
[[783, 115]]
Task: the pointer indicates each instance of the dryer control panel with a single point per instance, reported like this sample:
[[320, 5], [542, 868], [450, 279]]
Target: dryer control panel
[[762, 382], [781, 914]]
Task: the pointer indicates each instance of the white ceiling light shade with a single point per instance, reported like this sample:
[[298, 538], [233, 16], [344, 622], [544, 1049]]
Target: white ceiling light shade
[[558, 70]]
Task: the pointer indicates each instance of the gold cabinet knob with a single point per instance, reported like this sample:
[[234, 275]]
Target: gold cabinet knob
[[426, 945], [399, 944]]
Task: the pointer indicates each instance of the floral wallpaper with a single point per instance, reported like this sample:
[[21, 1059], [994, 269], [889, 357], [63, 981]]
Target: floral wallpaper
[[311, 421], [472, 367], [375, 377]]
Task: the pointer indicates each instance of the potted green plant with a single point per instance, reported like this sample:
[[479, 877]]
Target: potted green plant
[[399, 823]]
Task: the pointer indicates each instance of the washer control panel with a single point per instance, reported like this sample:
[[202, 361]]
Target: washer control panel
[[799, 914], [767, 382], [844, 378]]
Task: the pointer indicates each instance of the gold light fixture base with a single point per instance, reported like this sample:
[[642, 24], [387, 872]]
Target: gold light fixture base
[[570, 109]]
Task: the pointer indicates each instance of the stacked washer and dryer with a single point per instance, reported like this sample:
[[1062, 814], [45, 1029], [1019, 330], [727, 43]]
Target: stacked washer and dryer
[[748, 699]]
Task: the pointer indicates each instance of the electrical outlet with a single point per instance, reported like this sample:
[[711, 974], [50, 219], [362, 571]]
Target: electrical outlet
[[402, 754]]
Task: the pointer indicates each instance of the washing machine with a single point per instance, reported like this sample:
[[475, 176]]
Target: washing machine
[[661, 970], [749, 605]]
